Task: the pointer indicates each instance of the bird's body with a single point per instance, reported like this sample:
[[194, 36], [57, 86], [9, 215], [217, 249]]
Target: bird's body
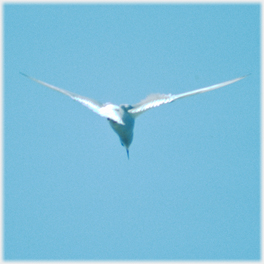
[[122, 118], [124, 131]]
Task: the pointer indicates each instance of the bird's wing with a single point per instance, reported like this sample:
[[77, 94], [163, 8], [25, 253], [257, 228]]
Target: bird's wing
[[155, 100], [97, 107]]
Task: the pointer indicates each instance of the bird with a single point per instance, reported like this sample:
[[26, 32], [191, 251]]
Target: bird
[[122, 118]]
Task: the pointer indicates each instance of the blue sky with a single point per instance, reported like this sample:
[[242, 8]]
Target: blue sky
[[191, 189]]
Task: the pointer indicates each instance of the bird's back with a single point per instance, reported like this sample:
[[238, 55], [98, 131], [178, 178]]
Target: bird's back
[[125, 132]]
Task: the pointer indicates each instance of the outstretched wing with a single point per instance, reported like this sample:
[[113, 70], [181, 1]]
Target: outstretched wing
[[104, 110], [155, 100]]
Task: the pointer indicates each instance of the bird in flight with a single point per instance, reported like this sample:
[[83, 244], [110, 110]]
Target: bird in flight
[[122, 118]]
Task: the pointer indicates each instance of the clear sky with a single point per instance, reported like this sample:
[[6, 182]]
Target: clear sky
[[191, 188]]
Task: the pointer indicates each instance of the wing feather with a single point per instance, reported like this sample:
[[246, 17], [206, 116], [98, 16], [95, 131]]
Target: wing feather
[[103, 110], [155, 100]]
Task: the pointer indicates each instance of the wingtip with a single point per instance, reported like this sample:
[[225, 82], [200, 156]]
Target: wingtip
[[23, 74], [242, 77], [26, 75], [246, 75]]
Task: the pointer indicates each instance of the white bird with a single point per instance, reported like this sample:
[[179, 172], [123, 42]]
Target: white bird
[[122, 118]]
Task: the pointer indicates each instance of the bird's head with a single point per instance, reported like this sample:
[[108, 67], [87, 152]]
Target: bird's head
[[126, 107]]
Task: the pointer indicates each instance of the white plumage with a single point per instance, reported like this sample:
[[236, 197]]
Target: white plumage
[[122, 118]]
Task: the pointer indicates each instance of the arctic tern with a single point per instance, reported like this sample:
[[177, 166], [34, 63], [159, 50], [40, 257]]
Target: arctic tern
[[122, 118]]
